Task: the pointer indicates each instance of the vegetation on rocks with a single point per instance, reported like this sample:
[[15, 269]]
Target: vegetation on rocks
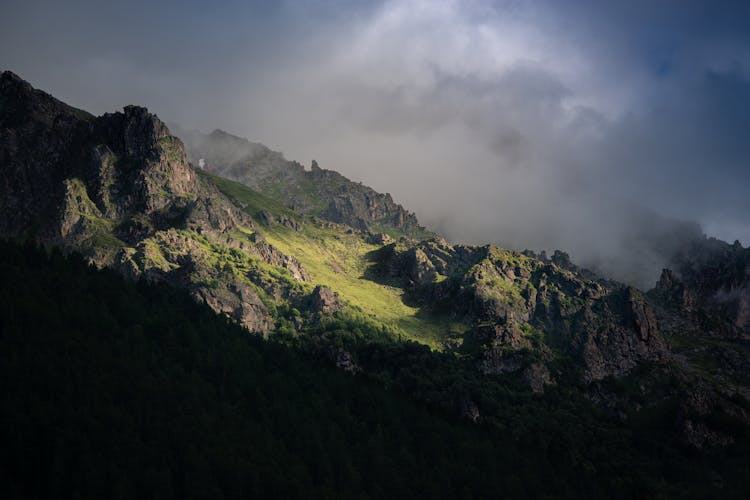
[[594, 386], [118, 389]]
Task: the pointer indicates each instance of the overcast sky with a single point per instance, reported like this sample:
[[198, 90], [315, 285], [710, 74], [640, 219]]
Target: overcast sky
[[535, 124]]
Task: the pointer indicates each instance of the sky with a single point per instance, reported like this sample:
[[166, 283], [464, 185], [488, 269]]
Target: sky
[[580, 125]]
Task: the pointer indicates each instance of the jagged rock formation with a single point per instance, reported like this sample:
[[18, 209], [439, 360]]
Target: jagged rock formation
[[703, 305], [325, 300], [709, 286], [317, 191], [119, 188], [516, 303]]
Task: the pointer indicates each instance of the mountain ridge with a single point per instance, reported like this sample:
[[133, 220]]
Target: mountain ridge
[[317, 191], [128, 196], [120, 189]]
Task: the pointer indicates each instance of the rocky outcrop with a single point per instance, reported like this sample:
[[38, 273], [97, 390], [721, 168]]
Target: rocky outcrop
[[379, 239], [639, 315], [709, 288], [274, 257], [325, 300], [269, 219], [240, 303], [120, 189], [39, 136], [151, 164], [519, 303], [617, 333]]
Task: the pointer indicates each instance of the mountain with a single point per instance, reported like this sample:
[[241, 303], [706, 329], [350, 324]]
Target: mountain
[[536, 349], [117, 389], [317, 191], [119, 188]]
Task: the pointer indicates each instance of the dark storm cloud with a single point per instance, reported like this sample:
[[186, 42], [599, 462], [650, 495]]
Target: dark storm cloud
[[536, 124]]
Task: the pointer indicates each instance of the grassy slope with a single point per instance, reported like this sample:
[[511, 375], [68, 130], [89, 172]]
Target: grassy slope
[[339, 260]]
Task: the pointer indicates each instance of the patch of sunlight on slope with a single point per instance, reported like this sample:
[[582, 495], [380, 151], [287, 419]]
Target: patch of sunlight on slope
[[338, 260]]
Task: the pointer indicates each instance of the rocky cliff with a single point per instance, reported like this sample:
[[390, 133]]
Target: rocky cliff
[[523, 312], [119, 188], [708, 285]]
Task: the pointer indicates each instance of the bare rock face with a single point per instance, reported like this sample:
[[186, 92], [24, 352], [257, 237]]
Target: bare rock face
[[269, 219], [709, 287], [150, 160], [639, 315], [618, 333], [122, 162], [417, 265], [132, 133], [612, 331], [38, 135], [420, 269], [671, 291], [242, 304], [274, 257], [379, 239], [325, 300]]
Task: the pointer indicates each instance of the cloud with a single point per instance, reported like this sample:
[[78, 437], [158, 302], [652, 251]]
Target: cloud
[[534, 124]]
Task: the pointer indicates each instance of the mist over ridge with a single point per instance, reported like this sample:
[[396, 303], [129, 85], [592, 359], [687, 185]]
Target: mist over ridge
[[383, 249], [584, 128], [635, 253]]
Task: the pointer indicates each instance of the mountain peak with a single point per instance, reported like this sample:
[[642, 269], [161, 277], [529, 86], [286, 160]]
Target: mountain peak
[[61, 162], [217, 132], [18, 98], [134, 131], [8, 77]]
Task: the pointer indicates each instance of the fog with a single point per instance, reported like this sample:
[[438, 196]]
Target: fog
[[579, 125]]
